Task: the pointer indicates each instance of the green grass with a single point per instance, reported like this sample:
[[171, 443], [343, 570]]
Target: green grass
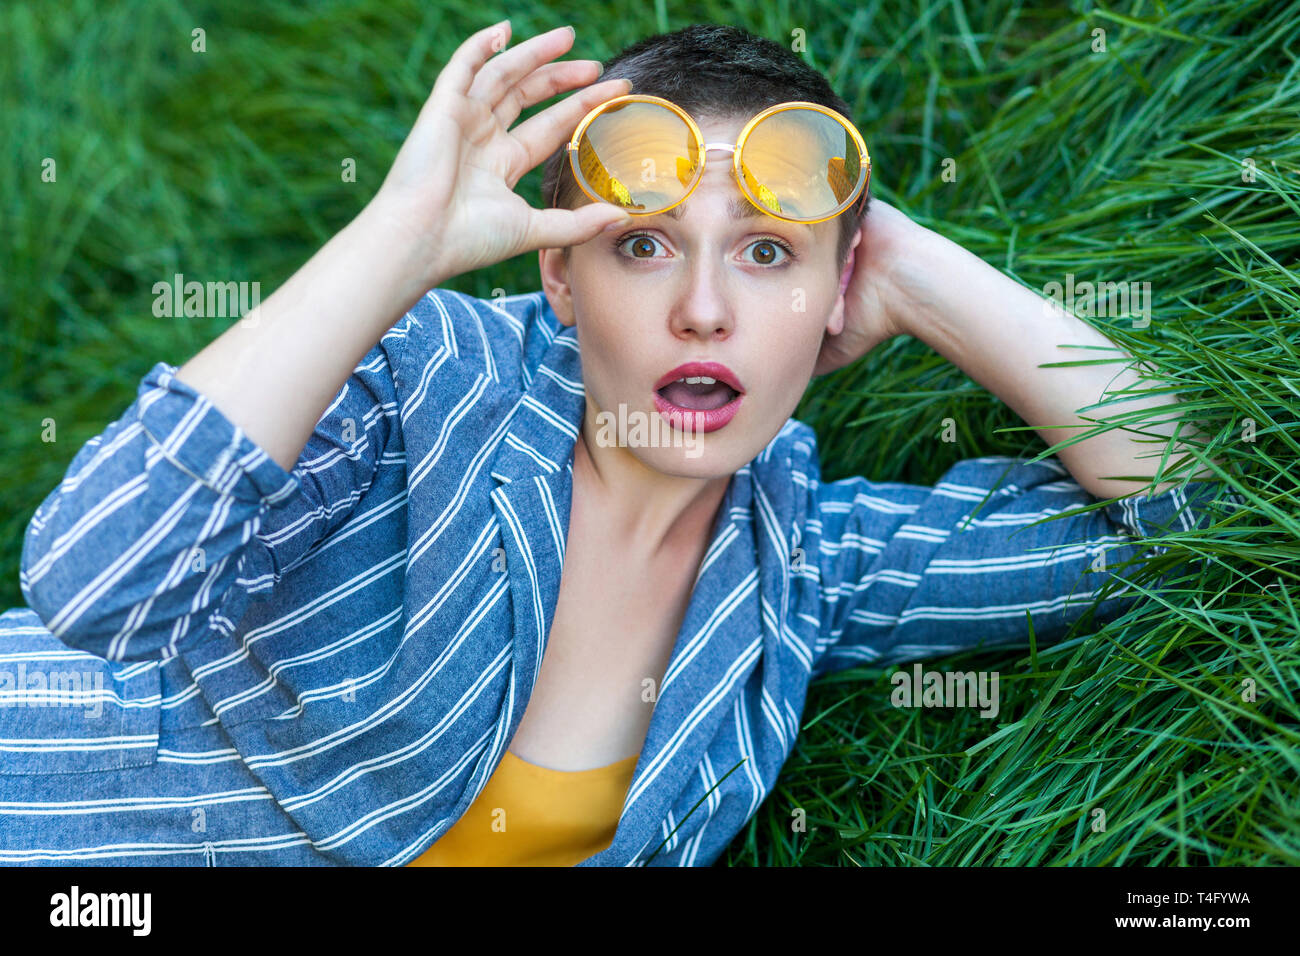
[[1124, 165]]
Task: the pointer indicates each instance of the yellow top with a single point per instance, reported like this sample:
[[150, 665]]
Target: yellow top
[[534, 816]]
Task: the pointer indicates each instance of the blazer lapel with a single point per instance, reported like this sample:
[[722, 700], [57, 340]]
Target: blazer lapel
[[533, 465], [716, 650], [721, 638]]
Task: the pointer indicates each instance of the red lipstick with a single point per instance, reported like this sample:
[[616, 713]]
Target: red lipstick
[[686, 418]]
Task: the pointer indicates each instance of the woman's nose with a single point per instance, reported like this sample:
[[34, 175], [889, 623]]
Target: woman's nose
[[703, 309]]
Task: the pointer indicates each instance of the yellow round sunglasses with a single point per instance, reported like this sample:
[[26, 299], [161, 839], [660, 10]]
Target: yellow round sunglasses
[[797, 161]]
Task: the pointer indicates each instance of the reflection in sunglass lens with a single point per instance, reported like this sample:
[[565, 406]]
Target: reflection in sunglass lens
[[801, 163], [640, 156], [798, 163]]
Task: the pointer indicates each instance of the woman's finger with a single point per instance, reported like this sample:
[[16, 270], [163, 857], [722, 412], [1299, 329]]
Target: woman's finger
[[458, 75], [510, 66], [542, 134], [556, 228], [546, 81]]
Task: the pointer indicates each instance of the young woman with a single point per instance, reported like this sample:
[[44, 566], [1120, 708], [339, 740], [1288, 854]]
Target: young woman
[[388, 574]]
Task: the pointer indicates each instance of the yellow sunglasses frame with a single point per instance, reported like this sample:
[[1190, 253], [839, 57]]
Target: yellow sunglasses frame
[[857, 196]]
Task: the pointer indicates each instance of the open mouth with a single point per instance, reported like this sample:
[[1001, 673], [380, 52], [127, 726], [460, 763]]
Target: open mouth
[[698, 403], [698, 393], [699, 396]]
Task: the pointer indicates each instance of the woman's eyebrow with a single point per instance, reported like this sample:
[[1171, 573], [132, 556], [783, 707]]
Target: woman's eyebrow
[[737, 208]]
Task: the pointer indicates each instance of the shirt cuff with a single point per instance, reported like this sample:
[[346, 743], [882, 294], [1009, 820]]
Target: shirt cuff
[[196, 437], [1195, 505], [1175, 509]]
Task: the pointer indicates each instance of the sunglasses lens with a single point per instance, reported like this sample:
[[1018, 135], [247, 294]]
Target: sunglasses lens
[[801, 164], [639, 156]]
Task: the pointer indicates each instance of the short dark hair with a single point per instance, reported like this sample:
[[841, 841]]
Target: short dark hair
[[711, 71]]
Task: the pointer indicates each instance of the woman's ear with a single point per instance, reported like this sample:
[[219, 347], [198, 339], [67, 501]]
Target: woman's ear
[[847, 274], [554, 269], [836, 323]]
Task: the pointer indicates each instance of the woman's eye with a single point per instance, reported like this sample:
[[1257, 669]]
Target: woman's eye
[[641, 246], [767, 251]]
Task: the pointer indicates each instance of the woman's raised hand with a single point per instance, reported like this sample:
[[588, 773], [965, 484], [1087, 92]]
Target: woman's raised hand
[[878, 301], [450, 192]]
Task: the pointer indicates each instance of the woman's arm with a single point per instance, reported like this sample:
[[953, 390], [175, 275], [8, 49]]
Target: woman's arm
[[446, 207], [139, 548], [996, 547], [274, 371], [909, 572], [231, 469], [911, 280]]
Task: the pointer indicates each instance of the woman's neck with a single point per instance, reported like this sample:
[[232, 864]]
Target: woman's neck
[[651, 511]]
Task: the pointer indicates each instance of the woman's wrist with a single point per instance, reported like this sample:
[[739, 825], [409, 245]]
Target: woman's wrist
[[409, 258], [923, 267], [414, 252]]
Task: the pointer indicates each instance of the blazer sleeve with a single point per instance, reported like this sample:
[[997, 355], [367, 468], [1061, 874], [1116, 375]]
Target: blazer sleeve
[[504, 338], [910, 572], [158, 516]]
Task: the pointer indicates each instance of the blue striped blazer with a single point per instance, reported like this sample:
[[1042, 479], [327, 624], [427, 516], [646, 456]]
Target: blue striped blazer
[[326, 665]]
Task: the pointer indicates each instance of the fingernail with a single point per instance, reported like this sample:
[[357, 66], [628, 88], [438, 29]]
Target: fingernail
[[569, 27], [600, 69]]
